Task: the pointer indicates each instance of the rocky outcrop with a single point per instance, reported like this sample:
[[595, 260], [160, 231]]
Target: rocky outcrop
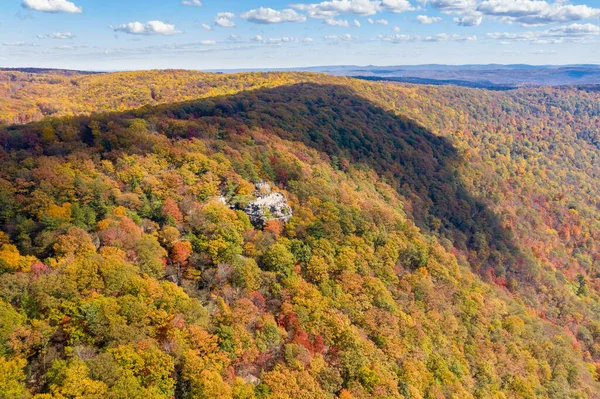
[[268, 206]]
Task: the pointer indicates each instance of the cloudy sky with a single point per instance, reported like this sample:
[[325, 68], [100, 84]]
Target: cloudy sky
[[227, 34]]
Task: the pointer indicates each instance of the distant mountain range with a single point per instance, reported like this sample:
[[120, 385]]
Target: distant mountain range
[[491, 76]]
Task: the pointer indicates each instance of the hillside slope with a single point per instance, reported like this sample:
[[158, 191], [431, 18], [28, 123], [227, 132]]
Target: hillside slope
[[442, 243], [31, 96]]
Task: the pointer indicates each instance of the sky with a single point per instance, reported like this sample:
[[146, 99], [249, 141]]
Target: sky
[[106, 35]]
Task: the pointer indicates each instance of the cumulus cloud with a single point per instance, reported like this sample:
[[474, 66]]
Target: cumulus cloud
[[523, 12], [356, 23], [51, 6], [57, 35], [333, 8], [536, 12], [469, 20], [466, 10], [396, 28], [264, 15], [442, 37], [206, 27], [576, 30], [149, 28], [396, 6], [337, 22], [452, 6], [281, 40], [560, 34], [425, 19], [224, 19], [284, 39], [337, 7], [377, 22], [346, 38], [193, 3]]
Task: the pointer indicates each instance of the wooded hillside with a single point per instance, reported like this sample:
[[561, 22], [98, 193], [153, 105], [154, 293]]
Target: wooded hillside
[[443, 241]]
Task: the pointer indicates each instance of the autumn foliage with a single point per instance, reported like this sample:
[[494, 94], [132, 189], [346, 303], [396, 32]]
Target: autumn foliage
[[443, 244]]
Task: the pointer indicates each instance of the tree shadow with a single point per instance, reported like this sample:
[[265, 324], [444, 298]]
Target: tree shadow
[[423, 167]]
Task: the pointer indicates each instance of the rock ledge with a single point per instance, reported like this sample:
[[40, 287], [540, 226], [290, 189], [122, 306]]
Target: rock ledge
[[269, 206]]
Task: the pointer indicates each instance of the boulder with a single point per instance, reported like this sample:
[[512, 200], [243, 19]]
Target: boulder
[[252, 379], [267, 207]]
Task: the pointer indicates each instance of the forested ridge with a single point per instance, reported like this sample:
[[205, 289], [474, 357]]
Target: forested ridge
[[443, 241]]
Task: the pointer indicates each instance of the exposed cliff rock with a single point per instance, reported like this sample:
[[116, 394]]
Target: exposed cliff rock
[[268, 206]]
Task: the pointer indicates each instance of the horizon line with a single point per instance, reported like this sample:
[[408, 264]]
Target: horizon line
[[300, 68]]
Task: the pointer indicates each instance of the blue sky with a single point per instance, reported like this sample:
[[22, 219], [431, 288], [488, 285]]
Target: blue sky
[[226, 34]]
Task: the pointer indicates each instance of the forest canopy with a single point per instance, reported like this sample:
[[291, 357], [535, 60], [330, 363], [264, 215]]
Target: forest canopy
[[442, 242]]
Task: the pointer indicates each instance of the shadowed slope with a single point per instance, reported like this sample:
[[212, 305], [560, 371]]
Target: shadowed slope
[[398, 318], [421, 165], [349, 128]]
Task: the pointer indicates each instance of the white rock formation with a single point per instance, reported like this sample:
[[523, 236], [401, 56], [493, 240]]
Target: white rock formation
[[272, 206]]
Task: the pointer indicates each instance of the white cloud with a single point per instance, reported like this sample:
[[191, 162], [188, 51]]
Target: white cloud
[[333, 8], [441, 37], [280, 40], [452, 6], [336, 7], [347, 37], [561, 34], [425, 19], [576, 30], [270, 16], [206, 27], [536, 12], [194, 3], [504, 36], [396, 28], [337, 22], [70, 47], [208, 42], [321, 14], [378, 22], [149, 28], [524, 12], [57, 35], [396, 6], [234, 38], [356, 23], [224, 19], [465, 9], [51, 6], [469, 20], [19, 44]]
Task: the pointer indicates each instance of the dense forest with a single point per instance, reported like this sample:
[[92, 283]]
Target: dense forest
[[442, 242]]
